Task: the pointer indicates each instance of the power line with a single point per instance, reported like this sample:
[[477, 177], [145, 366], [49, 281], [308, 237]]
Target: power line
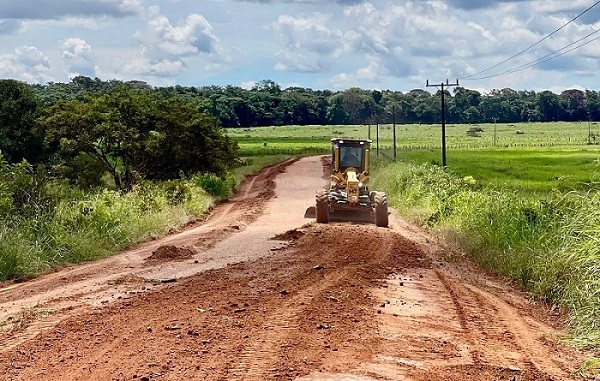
[[535, 44], [546, 58]]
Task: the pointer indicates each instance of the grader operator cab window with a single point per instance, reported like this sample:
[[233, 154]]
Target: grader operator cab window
[[351, 157]]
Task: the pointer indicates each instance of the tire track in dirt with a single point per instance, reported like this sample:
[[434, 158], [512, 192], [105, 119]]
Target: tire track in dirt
[[443, 321], [527, 340], [258, 360], [487, 330]]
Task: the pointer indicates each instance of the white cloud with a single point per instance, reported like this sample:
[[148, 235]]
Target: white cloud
[[76, 48], [371, 72], [192, 37], [154, 72], [248, 85], [309, 44], [158, 68], [79, 56], [27, 64], [166, 49]]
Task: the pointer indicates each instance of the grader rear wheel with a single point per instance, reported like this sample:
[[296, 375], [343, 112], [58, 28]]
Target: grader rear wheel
[[322, 200], [381, 209]]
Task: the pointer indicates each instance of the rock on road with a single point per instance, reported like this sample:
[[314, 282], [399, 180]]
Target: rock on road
[[257, 292]]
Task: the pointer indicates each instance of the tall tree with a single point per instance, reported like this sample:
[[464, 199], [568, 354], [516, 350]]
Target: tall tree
[[18, 111], [549, 106]]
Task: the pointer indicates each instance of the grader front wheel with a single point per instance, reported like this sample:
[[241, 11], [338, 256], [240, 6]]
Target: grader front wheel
[[322, 200], [381, 209]]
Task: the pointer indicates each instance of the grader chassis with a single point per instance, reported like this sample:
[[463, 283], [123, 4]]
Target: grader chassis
[[348, 194]]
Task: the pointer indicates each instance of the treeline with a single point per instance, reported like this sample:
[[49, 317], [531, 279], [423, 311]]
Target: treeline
[[267, 104]]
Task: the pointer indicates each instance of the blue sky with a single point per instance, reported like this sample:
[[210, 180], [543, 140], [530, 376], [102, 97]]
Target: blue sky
[[320, 44]]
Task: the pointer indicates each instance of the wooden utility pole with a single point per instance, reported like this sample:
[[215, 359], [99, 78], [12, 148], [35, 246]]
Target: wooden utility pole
[[394, 124], [495, 131], [378, 139], [442, 86]]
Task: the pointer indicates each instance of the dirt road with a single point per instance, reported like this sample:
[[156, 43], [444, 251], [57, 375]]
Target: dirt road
[[253, 293]]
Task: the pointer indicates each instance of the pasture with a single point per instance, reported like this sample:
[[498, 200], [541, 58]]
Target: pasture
[[540, 158]]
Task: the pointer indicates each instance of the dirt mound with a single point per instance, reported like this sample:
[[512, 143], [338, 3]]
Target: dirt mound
[[127, 279], [172, 252], [290, 235]]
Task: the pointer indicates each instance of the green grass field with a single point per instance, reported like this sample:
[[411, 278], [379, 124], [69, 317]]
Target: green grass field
[[543, 157], [535, 170], [418, 136]]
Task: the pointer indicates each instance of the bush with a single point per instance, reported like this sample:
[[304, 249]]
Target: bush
[[219, 187], [23, 190], [83, 227]]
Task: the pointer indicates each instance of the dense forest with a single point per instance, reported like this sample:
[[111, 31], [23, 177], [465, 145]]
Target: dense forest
[[266, 104]]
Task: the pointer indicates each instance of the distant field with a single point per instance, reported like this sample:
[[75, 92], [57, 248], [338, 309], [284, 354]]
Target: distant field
[[532, 170], [541, 157], [429, 136]]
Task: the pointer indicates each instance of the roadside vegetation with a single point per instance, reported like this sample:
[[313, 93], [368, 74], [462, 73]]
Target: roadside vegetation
[[49, 223], [83, 178]]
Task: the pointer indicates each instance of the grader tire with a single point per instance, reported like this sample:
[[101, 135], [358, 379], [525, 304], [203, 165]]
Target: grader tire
[[322, 206], [381, 210]]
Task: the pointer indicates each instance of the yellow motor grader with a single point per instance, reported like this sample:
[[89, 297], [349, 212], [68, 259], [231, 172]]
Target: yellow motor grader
[[349, 191]]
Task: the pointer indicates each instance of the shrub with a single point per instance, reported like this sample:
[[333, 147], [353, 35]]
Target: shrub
[[218, 187]]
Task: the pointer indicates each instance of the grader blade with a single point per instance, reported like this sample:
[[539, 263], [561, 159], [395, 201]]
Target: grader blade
[[311, 212]]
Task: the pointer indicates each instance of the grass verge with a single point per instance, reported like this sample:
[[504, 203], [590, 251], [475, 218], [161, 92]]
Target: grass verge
[[78, 226]]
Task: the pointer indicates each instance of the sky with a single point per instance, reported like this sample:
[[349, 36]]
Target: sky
[[318, 44]]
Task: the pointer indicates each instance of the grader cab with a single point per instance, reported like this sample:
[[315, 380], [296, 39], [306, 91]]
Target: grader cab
[[349, 193]]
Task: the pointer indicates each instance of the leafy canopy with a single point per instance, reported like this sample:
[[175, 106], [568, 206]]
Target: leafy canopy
[[135, 134]]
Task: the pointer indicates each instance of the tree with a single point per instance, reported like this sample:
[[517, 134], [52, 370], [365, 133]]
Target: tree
[[18, 111], [353, 106], [593, 104], [574, 102], [184, 141], [466, 105], [549, 106], [134, 133], [336, 112]]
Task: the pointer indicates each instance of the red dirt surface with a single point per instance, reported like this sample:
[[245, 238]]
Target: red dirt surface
[[272, 299]]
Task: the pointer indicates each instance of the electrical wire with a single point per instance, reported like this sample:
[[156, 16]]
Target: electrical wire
[[546, 58], [534, 44]]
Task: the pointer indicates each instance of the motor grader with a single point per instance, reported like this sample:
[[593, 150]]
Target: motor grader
[[349, 193]]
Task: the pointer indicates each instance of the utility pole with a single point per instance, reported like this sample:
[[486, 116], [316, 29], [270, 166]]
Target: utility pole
[[394, 124], [377, 138], [442, 86], [495, 129]]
